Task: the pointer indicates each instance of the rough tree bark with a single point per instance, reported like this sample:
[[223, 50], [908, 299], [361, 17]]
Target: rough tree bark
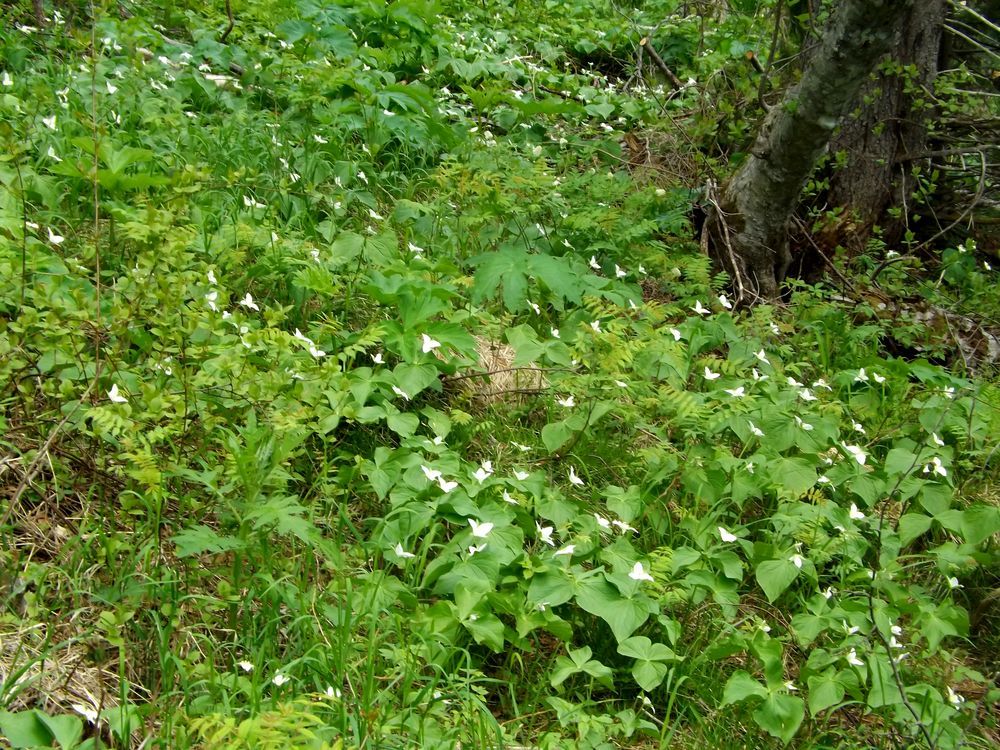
[[883, 135], [749, 224]]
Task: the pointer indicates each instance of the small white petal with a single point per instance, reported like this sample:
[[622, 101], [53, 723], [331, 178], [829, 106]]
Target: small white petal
[[279, 679], [567, 550], [402, 553], [521, 475], [446, 486], [545, 534], [116, 397], [639, 573], [736, 392], [481, 530], [709, 375], [725, 302], [427, 344], [726, 535]]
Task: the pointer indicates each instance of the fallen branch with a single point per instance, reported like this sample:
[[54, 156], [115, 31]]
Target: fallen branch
[[671, 76]]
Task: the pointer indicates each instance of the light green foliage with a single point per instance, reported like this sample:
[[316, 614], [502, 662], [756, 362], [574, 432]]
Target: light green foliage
[[285, 507]]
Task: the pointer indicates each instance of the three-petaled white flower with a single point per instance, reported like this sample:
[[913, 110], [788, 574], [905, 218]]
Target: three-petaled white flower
[[555, 333], [248, 303], [115, 397], [573, 478], [596, 325], [620, 272], [700, 309], [432, 474], [725, 302], [858, 427], [593, 263], [796, 560], [856, 515], [861, 377], [55, 239], [857, 453], [568, 402], [804, 425], [280, 679], [49, 122], [521, 475], [446, 486], [853, 660], [675, 333], [936, 467], [754, 429], [480, 530], [427, 344], [954, 698], [623, 528], [402, 553], [761, 356], [739, 392], [567, 550], [603, 522], [726, 535], [638, 573], [953, 583], [806, 395], [709, 375], [246, 666], [545, 534], [937, 440]]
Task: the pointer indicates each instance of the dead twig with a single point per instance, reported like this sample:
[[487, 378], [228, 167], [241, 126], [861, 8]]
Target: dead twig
[[675, 82]]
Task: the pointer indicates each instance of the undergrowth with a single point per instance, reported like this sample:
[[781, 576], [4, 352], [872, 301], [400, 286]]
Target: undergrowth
[[356, 390]]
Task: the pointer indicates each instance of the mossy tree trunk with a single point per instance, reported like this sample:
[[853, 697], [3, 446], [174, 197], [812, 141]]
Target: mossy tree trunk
[[749, 225]]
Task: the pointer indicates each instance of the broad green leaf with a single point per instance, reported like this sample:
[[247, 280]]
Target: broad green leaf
[[824, 691], [741, 686], [525, 342], [640, 647], [486, 629], [555, 435], [649, 674], [980, 523], [793, 475], [774, 576], [884, 690], [66, 729], [781, 715], [24, 729], [623, 615], [912, 526], [403, 424]]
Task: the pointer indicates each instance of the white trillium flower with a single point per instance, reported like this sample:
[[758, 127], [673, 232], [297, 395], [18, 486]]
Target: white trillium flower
[[755, 429], [623, 527], [739, 392], [638, 573], [621, 384], [954, 698], [480, 530], [54, 238], [446, 486], [402, 553], [857, 453], [725, 302], [545, 534], [761, 356], [86, 712], [427, 344], [573, 478], [400, 392], [521, 475], [508, 499], [317, 353], [569, 549], [699, 309], [822, 384], [603, 522], [555, 333], [115, 397], [774, 328], [953, 583], [675, 333], [937, 440], [878, 378], [856, 515], [790, 687], [49, 122], [210, 298], [280, 679], [477, 549], [245, 666], [620, 272], [829, 592], [709, 375], [481, 475], [796, 560], [568, 402], [537, 310], [853, 660], [858, 427], [596, 325], [806, 395], [793, 382], [593, 263], [53, 155], [7, 80], [377, 358], [861, 377], [332, 692], [804, 425], [248, 303], [936, 467], [432, 474], [211, 277], [726, 535], [757, 376]]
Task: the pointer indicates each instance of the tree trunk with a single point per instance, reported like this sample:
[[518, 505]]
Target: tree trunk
[[749, 226], [879, 139]]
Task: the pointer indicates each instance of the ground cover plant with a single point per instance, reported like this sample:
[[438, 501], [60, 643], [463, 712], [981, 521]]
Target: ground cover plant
[[365, 383]]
